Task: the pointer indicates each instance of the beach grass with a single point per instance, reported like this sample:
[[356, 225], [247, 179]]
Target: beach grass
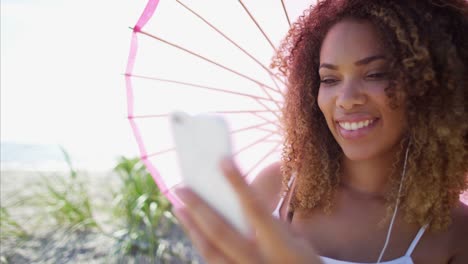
[[76, 217], [65, 198], [9, 227], [146, 212]]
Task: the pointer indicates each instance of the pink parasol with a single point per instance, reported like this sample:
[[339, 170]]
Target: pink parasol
[[202, 56], [208, 56]]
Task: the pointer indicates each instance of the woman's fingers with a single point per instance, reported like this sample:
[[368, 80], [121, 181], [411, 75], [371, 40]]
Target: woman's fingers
[[207, 249], [267, 229], [274, 242], [219, 242], [215, 229], [246, 195]]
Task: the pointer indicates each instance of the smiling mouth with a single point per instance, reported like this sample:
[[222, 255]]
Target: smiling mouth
[[352, 126], [356, 130]]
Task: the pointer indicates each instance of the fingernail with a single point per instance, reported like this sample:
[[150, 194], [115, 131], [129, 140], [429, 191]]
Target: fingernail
[[179, 212], [183, 193], [227, 164]]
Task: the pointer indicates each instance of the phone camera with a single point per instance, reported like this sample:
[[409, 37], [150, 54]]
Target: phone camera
[[177, 119]]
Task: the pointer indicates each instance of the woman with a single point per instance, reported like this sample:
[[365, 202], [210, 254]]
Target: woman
[[375, 153]]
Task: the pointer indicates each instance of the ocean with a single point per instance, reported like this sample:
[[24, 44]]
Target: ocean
[[46, 157]]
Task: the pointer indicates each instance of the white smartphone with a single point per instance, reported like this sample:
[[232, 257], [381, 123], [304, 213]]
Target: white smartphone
[[201, 142]]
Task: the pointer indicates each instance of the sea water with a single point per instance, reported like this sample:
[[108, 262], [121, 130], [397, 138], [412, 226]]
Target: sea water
[[48, 157]]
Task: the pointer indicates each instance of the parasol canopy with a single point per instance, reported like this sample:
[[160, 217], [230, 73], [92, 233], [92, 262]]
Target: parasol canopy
[[208, 57]]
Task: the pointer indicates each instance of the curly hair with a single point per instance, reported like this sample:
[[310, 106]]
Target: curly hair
[[428, 42]]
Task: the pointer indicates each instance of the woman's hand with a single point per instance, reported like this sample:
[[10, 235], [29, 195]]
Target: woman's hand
[[219, 242]]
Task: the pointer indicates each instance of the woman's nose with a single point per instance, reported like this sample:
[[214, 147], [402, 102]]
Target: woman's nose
[[350, 95]]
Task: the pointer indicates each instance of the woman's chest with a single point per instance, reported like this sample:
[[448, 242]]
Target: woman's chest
[[359, 237]]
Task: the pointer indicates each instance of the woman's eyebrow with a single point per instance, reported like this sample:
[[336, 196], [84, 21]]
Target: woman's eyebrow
[[329, 66], [360, 62], [369, 59]]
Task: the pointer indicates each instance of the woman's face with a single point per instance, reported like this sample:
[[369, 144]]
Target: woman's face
[[354, 74]]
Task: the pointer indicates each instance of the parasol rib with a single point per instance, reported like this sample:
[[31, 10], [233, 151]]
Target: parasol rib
[[231, 132], [275, 112], [147, 116], [286, 13], [167, 190], [267, 130], [258, 26], [274, 149], [158, 153], [274, 140], [269, 121], [211, 61], [276, 102], [232, 42], [252, 144], [276, 84], [203, 87], [242, 111], [217, 112], [249, 128], [257, 99]]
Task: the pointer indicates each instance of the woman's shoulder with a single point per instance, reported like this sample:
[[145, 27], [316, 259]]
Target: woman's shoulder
[[460, 217], [459, 234], [267, 185]]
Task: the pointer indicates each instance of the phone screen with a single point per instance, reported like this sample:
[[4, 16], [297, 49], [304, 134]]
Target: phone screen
[[201, 142]]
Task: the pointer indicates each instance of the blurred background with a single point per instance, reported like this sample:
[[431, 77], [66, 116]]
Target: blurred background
[[72, 187], [72, 190], [61, 82]]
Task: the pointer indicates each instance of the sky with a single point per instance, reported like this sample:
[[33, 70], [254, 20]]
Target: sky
[[61, 82], [61, 75]]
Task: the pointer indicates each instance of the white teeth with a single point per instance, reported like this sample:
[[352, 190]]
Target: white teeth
[[355, 125]]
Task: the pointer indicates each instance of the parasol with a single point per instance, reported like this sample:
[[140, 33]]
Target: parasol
[[208, 57]]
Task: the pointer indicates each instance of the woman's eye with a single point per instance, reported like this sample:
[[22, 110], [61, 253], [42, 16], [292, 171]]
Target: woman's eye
[[328, 81], [378, 75]]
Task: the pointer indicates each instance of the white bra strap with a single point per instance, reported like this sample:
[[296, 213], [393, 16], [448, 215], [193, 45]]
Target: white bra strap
[[416, 240], [276, 212], [291, 179]]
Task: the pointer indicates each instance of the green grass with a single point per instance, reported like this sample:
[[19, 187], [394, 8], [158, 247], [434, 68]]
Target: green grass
[[142, 217], [146, 212], [65, 198], [9, 228], [62, 198], [67, 201]]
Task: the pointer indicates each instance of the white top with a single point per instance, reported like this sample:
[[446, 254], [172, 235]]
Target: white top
[[406, 259]]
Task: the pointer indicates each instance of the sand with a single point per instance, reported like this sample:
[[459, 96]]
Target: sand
[[47, 242]]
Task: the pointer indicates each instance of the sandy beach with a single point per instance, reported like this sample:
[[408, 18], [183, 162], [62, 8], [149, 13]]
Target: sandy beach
[[47, 242]]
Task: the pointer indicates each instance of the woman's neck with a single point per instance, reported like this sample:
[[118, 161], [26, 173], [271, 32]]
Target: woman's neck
[[368, 177]]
